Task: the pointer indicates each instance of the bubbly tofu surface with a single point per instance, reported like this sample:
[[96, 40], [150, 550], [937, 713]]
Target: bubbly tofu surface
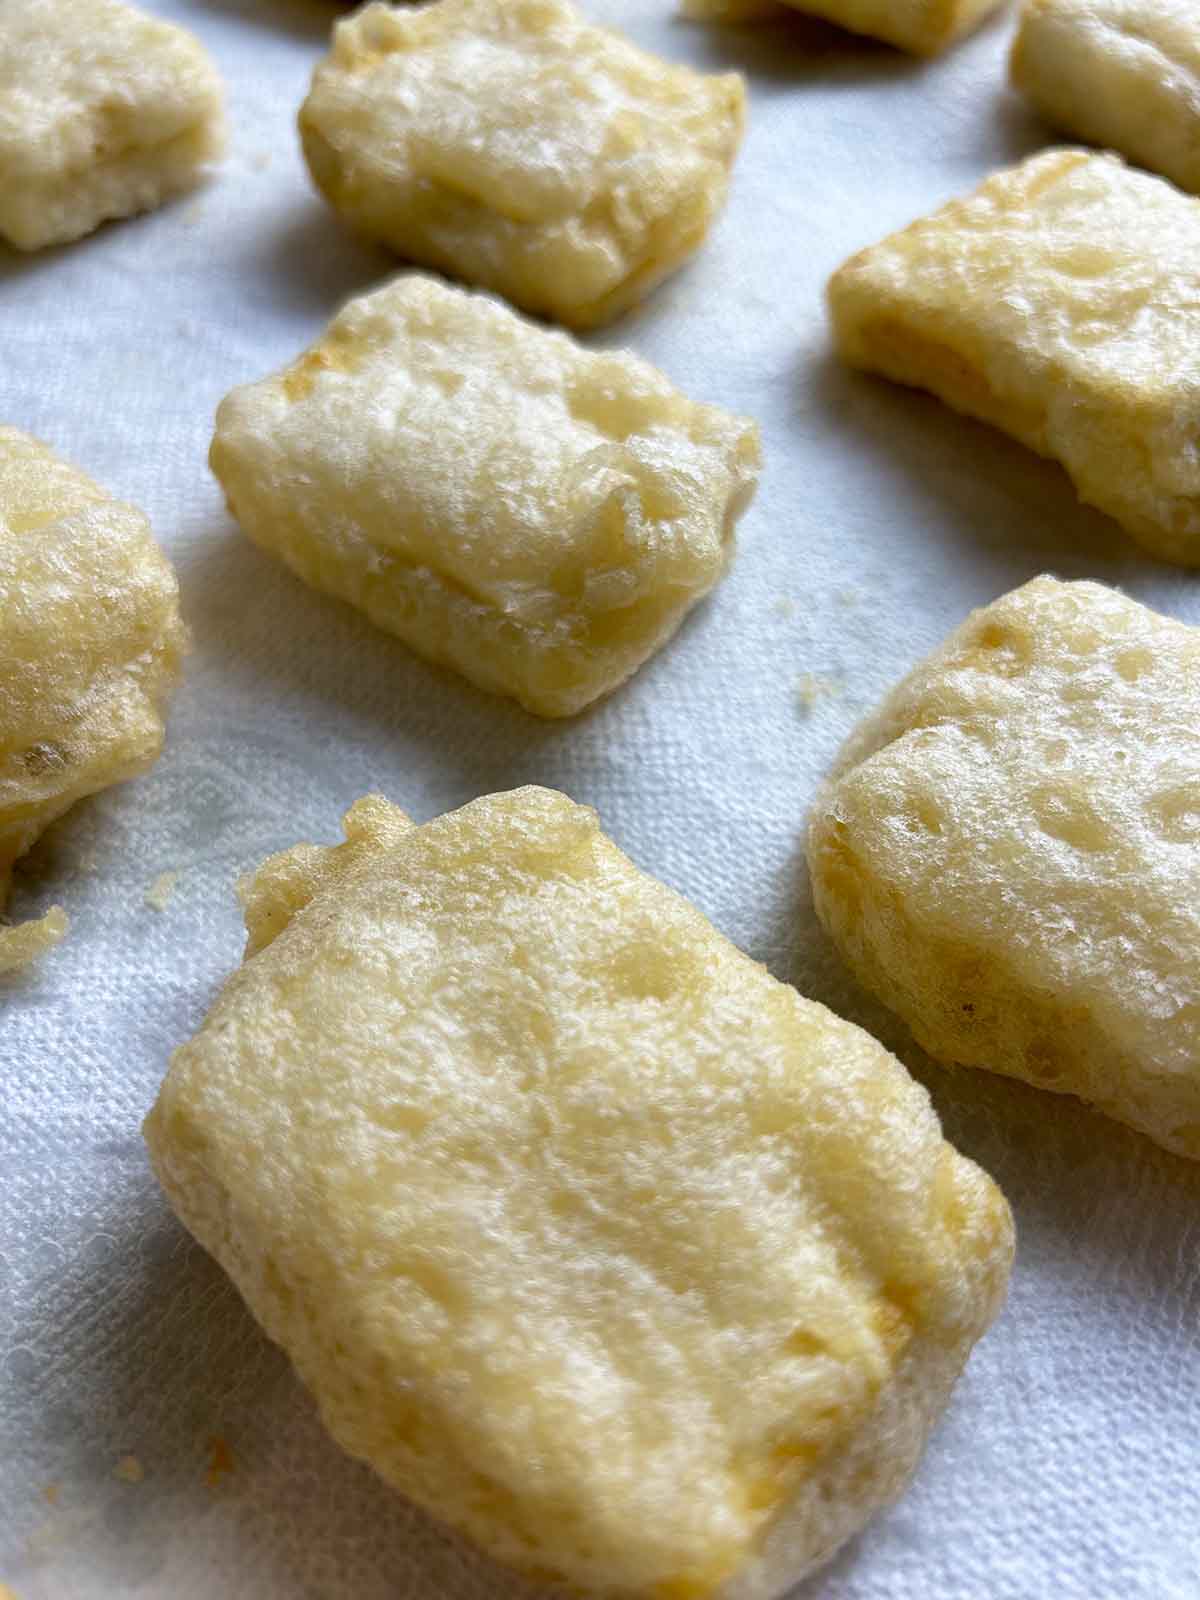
[[1060, 301], [104, 111], [536, 515], [1122, 73], [90, 648], [923, 27], [594, 1239], [514, 145], [1009, 852]]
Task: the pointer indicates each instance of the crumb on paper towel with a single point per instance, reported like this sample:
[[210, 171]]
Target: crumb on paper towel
[[812, 687], [129, 1469], [51, 1493], [849, 596], [785, 606], [220, 1461], [158, 895]]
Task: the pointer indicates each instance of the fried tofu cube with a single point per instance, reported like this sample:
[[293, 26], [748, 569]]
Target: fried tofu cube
[[90, 648], [592, 1238], [1122, 73], [536, 515], [1058, 302], [104, 111], [1008, 852], [512, 144], [922, 27]]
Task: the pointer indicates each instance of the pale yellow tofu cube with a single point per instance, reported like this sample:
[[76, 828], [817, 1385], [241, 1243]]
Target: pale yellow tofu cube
[[537, 515], [1061, 302], [90, 648], [591, 1237], [1008, 852], [1124, 73], [104, 111], [512, 144], [923, 27]]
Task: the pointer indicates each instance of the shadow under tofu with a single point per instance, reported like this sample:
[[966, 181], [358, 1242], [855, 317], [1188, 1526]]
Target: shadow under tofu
[[314, 262], [1022, 132], [787, 47], [248, 613], [1019, 513], [312, 19]]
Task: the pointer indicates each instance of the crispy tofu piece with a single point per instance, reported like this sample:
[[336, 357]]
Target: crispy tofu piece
[[1061, 302], [514, 145], [104, 111], [598, 1242], [1124, 73], [1008, 852], [536, 515], [90, 648], [923, 27]]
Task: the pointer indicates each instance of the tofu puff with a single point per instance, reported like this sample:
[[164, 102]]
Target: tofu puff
[[1061, 302], [1124, 73], [514, 145], [104, 111], [591, 1237], [1008, 852], [539, 516], [923, 27], [90, 648]]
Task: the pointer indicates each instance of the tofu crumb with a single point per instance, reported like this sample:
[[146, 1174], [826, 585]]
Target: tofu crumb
[[159, 894], [51, 1493], [129, 1469], [220, 1461], [785, 606], [811, 687]]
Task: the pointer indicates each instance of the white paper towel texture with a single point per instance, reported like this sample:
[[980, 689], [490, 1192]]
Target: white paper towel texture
[[1068, 1466]]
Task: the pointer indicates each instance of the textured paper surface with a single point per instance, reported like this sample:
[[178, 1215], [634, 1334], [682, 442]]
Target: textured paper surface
[[151, 1442]]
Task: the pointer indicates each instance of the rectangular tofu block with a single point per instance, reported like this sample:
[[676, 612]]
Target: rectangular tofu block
[[104, 111], [512, 144], [1060, 301], [539, 516], [923, 27], [90, 648], [595, 1240], [1008, 852], [1123, 73]]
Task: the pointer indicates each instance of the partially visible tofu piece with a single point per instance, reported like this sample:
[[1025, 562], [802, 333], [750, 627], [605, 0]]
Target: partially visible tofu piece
[[1008, 852], [923, 27], [591, 1237], [104, 111], [537, 515], [1123, 73], [1060, 301], [512, 144], [90, 648]]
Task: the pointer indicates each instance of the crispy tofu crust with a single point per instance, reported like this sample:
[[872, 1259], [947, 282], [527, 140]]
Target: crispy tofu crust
[[1008, 852], [591, 1237], [1122, 73], [104, 111], [90, 648], [539, 516], [512, 144], [1061, 302]]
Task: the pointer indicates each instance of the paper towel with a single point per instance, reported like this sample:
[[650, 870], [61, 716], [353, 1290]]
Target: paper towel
[[152, 1444]]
